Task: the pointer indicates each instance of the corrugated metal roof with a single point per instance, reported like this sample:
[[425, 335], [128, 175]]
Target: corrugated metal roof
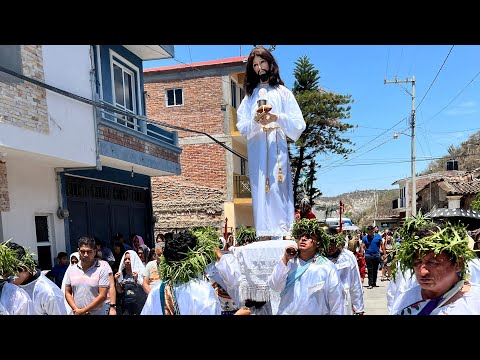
[[468, 213]]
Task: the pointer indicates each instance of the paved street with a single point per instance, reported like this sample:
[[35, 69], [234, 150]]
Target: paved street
[[375, 299]]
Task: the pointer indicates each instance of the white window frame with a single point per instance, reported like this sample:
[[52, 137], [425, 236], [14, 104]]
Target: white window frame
[[174, 97], [51, 237], [134, 72]]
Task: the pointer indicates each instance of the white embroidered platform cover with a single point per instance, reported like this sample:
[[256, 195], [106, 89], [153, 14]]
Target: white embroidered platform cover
[[256, 262]]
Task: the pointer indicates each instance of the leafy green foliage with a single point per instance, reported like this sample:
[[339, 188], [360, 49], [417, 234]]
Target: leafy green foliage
[[306, 76], [475, 204], [449, 238], [337, 239], [323, 112], [314, 227], [194, 264], [11, 264], [8, 261], [245, 235]]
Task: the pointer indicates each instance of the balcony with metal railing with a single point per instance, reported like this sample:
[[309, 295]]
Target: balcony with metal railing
[[241, 187], [136, 141]]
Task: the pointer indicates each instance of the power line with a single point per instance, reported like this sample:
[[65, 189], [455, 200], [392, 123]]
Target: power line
[[444, 61], [453, 98], [329, 167], [112, 108], [387, 161]]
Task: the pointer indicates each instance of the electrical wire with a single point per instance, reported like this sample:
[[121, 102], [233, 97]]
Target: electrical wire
[[438, 72], [388, 161], [112, 108], [332, 165], [471, 81]]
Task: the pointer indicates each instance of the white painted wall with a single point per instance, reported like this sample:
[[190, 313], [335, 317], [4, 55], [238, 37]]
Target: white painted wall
[[71, 136], [454, 201], [32, 191]]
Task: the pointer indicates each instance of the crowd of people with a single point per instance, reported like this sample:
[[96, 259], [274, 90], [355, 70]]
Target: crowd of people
[[94, 280], [434, 269], [294, 265]]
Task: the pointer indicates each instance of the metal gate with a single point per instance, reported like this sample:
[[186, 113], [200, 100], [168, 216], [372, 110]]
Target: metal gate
[[102, 209]]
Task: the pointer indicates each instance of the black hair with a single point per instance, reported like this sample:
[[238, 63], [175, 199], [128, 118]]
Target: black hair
[[120, 245], [19, 249], [251, 77], [87, 241], [62, 254], [98, 241], [177, 247], [117, 237]]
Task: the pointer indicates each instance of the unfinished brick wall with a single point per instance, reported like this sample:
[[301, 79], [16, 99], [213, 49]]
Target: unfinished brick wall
[[134, 143], [22, 103], [4, 198], [201, 111], [180, 205], [197, 196]]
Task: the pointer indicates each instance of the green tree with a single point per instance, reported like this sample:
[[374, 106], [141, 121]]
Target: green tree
[[475, 204], [323, 112]]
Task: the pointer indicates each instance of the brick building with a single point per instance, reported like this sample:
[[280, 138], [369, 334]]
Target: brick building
[[68, 168], [213, 188]]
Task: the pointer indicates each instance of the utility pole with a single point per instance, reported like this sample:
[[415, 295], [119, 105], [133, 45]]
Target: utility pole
[[342, 209], [412, 124]]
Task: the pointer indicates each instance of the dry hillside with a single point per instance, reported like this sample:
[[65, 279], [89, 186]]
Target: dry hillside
[[359, 205]]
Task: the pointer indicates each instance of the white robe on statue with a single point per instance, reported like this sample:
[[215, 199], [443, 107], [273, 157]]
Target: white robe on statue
[[317, 292], [196, 297], [273, 211]]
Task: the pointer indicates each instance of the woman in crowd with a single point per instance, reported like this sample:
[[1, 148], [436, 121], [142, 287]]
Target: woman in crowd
[[129, 280]]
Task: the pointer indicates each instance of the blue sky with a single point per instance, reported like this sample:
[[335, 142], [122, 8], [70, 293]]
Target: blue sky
[[446, 98]]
